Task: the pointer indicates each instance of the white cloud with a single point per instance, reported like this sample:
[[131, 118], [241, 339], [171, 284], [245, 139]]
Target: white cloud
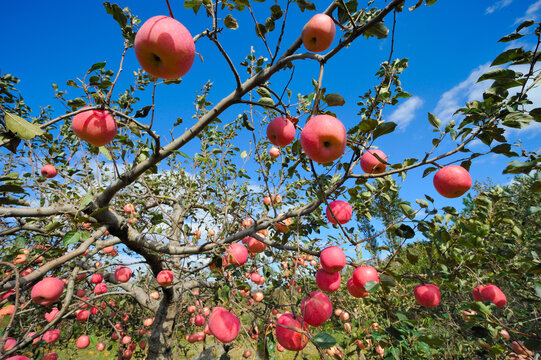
[[532, 13], [498, 5], [405, 112], [467, 90]]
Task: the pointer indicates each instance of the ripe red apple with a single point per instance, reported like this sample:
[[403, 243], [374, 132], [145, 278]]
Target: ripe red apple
[[142, 344], [100, 288], [96, 278], [489, 293], [224, 325], [47, 291], [165, 277], [48, 171], [96, 127], [328, 281], [164, 48], [254, 246], [155, 295], [51, 336], [255, 277], [122, 274], [148, 322], [82, 342], [191, 309], [427, 295], [83, 315], [316, 308], [332, 259], [50, 356], [370, 164], [237, 254], [364, 274], [452, 181], [246, 354], [281, 131], [100, 346], [324, 138], [344, 316], [291, 339], [342, 212], [318, 33], [274, 152], [18, 357], [258, 296], [129, 209], [200, 320], [125, 340], [9, 344]]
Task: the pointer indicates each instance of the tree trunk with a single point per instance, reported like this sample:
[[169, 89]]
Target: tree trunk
[[162, 336]]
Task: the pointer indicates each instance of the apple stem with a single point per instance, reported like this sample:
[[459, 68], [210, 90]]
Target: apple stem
[[169, 7]]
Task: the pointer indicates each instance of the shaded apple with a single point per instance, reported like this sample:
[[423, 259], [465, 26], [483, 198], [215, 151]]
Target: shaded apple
[[47, 291], [316, 308], [281, 131], [291, 339], [342, 212], [427, 295], [48, 171], [489, 293], [371, 164], [362, 275]]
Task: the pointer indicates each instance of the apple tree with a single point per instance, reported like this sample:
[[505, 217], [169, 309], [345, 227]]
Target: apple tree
[[184, 242]]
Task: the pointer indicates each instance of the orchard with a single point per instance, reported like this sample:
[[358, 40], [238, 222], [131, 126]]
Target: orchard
[[150, 211]]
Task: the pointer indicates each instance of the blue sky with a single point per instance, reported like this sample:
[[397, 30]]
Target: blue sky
[[449, 45]]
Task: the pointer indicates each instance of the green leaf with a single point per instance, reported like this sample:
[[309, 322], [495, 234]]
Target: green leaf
[[370, 286], [498, 74], [382, 129], [71, 237], [405, 231], [537, 287], [10, 188], [266, 101], [96, 66], [434, 121], [536, 114], [263, 92], [260, 30], [536, 269], [305, 5], [379, 30], [510, 37], [508, 56], [106, 152], [324, 340], [334, 99], [193, 4], [230, 22], [141, 113], [86, 200], [276, 12], [22, 128], [431, 340], [117, 13], [517, 120], [343, 14], [412, 258], [525, 24], [429, 170]]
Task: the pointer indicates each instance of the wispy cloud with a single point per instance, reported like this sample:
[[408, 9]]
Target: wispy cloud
[[405, 112], [498, 5], [532, 13], [467, 90]]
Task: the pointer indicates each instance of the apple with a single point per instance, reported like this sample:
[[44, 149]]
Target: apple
[[155, 295], [258, 296], [83, 315], [96, 278], [254, 246], [452, 181], [316, 308], [122, 274], [164, 47], [347, 327], [246, 354], [50, 356], [281, 131], [96, 127], [47, 291], [427, 295], [237, 254], [200, 320], [7, 310], [364, 274], [332, 259], [127, 354], [165, 277], [125, 340], [224, 325], [51, 336], [489, 293], [206, 311], [370, 164], [342, 212], [129, 209], [327, 281], [318, 33], [324, 138], [18, 357], [148, 322], [142, 344], [100, 346], [287, 337], [100, 288], [82, 342], [191, 309], [519, 348], [274, 152], [344, 316], [48, 171]]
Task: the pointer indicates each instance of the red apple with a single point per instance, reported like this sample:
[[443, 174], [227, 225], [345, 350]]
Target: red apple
[[100, 288], [237, 254], [96, 127], [148, 322], [291, 339], [164, 48], [51, 336], [254, 246], [125, 340], [370, 164], [274, 152], [255, 277], [82, 315], [82, 342], [344, 316], [332, 259], [318, 33], [246, 354], [452, 181], [18, 357], [224, 325], [316, 308], [364, 274], [47, 291], [122, 274], [50, 356], [165, 277], [342, 212], [142, 344], [324, 138], [489, 293], [200, 320], [96, 278], [328, 281], [281, 131], [155, 295], [129, 209], [191, 309], [427, 295], [48, 171], [100, 346], [9, 344], [258, 296]]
